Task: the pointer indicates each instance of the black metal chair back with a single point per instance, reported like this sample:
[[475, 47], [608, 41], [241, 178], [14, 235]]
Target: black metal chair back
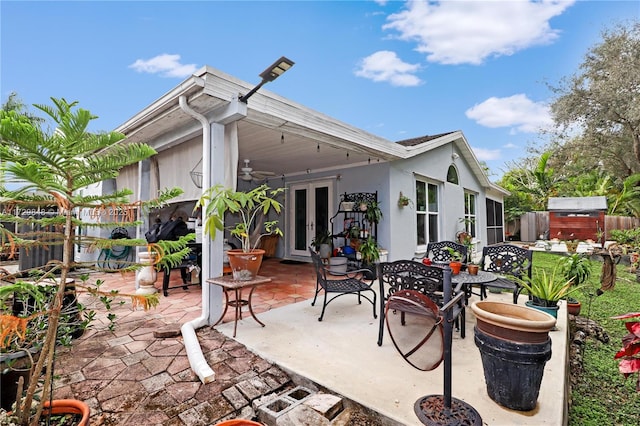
[[438, 252], [410, 275], [507, 260], [352, 282]]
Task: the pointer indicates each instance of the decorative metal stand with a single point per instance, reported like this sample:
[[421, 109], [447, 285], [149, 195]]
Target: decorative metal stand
[[444, 409]]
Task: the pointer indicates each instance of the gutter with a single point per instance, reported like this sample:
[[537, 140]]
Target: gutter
[[194, 352]]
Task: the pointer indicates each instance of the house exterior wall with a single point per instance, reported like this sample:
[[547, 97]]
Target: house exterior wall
[[432, 167]]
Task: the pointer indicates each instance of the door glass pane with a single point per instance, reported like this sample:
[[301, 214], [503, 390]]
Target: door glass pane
[[322, 210], [300, 220]]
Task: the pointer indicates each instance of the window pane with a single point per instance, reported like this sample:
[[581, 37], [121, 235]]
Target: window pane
[[422, 240], [491, 216], [421, 197], [433, 198], [498, 213], [433, 228], [452, 175]]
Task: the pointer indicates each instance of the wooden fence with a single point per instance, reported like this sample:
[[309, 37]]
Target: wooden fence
[[534, 224]]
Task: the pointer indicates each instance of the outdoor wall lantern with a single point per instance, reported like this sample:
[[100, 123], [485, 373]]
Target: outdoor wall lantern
[[274, 71]]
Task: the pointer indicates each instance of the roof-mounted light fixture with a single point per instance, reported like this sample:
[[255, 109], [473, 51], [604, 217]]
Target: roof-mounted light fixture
[[274, 71]]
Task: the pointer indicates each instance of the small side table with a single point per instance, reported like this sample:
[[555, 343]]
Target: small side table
[[228, 283]]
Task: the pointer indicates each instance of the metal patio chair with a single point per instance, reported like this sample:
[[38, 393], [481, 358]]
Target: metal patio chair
[[352, 282]]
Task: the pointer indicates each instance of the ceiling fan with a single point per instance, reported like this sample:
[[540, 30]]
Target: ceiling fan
[[249, 174]]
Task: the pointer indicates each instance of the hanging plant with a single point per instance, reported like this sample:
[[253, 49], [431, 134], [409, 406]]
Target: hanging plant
[[403, 201]]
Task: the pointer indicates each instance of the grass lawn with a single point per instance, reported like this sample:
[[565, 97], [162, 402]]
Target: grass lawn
[[601, 395]]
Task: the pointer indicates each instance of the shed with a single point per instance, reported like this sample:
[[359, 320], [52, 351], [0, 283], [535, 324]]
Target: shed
[[576, 218]]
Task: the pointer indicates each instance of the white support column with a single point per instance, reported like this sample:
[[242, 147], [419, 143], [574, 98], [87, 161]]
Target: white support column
[[213, 169]]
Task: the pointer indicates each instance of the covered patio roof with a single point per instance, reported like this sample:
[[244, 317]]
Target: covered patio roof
[[277, 134]]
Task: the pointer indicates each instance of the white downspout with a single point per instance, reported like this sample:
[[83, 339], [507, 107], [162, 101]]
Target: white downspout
[[194, 352]]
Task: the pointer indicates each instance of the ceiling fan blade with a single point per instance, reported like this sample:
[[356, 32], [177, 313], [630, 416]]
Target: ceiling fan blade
[[262, 173]]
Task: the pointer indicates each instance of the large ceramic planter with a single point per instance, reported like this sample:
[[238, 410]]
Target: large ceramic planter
[[245, 265], [325, 251], [514, 346]]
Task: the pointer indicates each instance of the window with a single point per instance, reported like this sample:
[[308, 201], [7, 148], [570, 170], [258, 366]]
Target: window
[[452, 175], [495, 231], [470, 213], [426, 212]]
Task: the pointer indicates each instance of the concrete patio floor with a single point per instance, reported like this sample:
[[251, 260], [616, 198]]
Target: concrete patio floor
[[341, 354], [130, 376]]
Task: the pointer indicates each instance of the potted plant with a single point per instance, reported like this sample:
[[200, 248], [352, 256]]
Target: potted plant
[[373, 214], [456, 260], [473, 268], [573, 306], [576, 268], [48, 170], [251, 207], [322, 243], [369, 255], [547, 289], [403, 201], [572, 245]]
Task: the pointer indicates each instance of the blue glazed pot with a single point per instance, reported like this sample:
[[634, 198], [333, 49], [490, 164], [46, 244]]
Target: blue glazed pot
[[551, 310]]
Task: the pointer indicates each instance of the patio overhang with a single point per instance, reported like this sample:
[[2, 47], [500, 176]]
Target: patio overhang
[[277, 134]]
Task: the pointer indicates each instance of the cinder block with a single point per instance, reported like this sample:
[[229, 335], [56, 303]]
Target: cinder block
[[298, 393], [269, 412]]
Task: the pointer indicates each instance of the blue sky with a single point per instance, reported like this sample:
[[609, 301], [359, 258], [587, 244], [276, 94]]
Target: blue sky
[[396, 69]]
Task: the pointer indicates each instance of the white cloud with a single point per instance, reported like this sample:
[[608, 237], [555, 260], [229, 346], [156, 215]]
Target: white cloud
[[483, 154], [456, 32], [166, 65], [385, 66], [517, 111], [510, 146]]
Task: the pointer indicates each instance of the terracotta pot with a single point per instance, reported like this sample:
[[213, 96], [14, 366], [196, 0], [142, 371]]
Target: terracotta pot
[[574, 308], [473, 269], [69, 406], [455, 267], [239, 422], [245, 265], [509, 321], [514, 345]]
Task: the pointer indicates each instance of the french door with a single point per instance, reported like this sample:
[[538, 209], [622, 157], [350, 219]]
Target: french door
[[310, 208]]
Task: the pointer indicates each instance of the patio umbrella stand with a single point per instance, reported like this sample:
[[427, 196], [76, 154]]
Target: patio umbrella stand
[[438, 409]]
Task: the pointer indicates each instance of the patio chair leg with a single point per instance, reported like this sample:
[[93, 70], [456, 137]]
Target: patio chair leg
[[381, 328], [324, 305]]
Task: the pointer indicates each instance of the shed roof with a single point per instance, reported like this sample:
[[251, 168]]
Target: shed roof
[[577, 204]]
